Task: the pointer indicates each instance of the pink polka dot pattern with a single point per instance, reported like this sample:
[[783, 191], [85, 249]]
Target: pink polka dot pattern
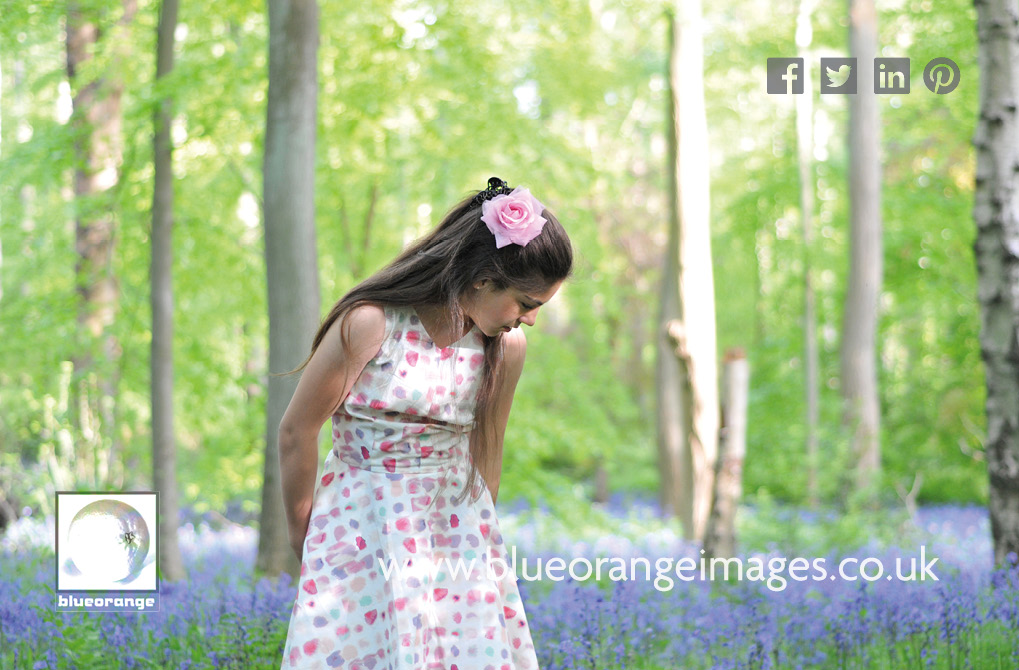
[[395, 573]]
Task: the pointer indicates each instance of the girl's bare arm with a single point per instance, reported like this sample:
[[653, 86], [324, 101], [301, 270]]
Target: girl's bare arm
[[506, 384], [323, 386]]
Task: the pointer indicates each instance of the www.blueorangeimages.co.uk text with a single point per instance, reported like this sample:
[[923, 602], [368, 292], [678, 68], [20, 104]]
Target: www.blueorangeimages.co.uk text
[[775, 571]]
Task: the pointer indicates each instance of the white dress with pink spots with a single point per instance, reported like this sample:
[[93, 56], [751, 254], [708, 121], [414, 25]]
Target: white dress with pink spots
[[395, 574]]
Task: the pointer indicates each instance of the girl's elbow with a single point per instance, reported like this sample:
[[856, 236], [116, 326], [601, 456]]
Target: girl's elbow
[[287, 434]]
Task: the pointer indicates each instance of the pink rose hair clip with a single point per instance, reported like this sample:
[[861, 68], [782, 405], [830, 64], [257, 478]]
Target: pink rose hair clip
[[514, 217]]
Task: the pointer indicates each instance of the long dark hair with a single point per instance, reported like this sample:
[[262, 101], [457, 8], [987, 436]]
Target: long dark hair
[[439, 270]]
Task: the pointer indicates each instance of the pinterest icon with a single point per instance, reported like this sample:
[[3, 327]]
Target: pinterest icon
[[941, 75]]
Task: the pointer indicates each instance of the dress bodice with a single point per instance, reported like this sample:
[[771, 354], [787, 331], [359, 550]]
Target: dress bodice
[[412, 407]]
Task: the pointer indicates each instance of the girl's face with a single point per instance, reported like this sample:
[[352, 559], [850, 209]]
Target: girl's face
[[495, 311]]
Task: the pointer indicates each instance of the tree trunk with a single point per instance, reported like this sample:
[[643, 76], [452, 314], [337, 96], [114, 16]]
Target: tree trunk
[[688, 376], [996, 213], [1, 224], [96, 121], [22, 131], [673, 404], [861, 411], [805, 145], [720, 536], [601, 481], [290, 256], [635, 371], [164, 451]]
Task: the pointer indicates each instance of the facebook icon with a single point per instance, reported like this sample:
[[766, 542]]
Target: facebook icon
[[785, 75]]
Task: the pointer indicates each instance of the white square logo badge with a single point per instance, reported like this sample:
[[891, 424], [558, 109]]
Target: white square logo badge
[[107, 550]]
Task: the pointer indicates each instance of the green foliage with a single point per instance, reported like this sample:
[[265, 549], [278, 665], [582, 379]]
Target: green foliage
[[931, 377], [567, 418], [766, 524], [418, 104]]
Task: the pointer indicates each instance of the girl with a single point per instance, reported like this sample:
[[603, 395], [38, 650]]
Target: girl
[[403, 565]]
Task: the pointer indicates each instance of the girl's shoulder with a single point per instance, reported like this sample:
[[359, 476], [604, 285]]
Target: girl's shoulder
[[380, 324], [363, 327], [379, 313], [515, 343], [367, 320]]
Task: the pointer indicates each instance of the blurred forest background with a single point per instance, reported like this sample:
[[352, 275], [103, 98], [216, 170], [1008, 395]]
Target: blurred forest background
[[419, 103]]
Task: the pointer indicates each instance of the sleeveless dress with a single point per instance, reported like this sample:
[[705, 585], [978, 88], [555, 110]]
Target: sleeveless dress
[[395, 574]]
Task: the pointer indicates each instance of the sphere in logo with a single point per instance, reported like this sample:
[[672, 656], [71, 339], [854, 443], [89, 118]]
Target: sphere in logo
[[108, 540], [941, 75]]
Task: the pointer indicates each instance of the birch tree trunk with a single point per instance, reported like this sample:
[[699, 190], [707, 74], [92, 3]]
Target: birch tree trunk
[[164, 450], [996, 213], [861, 412], [672, 392], [720, 536], [688, 378], [805, 146], [290, 256]]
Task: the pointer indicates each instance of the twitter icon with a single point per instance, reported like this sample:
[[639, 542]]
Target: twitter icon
[[838, 75]]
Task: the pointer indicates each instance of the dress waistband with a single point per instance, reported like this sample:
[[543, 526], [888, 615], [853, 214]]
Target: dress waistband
[[400, 448]]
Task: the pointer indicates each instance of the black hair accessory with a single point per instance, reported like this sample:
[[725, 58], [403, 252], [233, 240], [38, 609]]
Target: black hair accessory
[[496, 187]]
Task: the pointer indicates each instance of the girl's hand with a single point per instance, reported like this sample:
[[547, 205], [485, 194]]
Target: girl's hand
[[297, 545], [299, 531]]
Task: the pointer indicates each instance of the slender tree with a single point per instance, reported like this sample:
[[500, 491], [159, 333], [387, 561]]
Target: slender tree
[[1, 213], [290, 256], [996, 213], [805, 152], [688, 374], [672, 395], [164, 450], [859, 323]]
